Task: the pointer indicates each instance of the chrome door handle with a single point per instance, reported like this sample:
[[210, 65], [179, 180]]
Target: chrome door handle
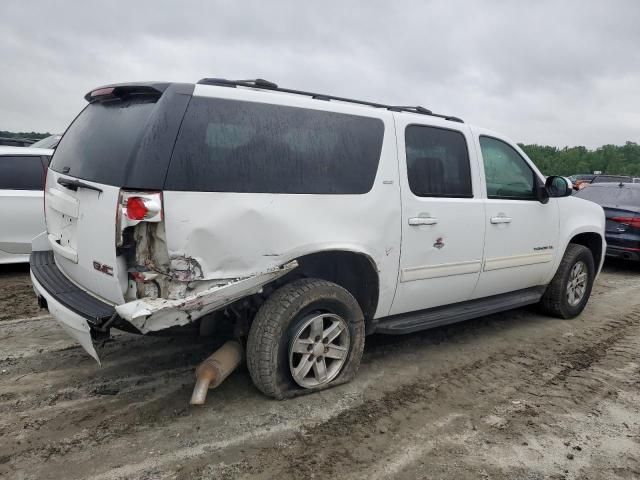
[[415, 221], [500, 219]]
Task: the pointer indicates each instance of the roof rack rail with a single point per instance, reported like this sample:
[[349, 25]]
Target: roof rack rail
[[267, 85]]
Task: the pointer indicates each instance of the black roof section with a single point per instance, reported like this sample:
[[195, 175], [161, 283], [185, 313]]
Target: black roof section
[[267, 85]]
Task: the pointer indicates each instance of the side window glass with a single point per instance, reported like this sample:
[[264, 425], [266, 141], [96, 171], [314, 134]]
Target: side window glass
[[507, 174], [235, 146], [21, 173], [437, 162]]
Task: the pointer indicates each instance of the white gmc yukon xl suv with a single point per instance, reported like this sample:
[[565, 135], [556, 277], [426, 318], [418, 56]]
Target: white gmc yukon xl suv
[[300, 223]]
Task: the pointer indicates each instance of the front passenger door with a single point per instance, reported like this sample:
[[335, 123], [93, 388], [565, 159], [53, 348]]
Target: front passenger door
[[521, 232]]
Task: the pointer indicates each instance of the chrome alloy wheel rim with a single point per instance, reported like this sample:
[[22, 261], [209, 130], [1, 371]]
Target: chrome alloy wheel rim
[[318, 350], [577, 285]]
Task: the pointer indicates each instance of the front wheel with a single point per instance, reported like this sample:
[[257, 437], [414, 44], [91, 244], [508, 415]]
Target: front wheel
[[569, 291], [307, 336]]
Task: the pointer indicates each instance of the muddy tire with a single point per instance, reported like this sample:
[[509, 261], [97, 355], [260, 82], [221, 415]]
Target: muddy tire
[[569, 291], [311, 325]]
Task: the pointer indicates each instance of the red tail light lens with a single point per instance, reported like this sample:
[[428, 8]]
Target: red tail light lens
[[631, 221], [136, 208]]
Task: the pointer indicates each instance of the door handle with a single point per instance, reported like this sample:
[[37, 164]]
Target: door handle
[[500, 219], [415, 221]]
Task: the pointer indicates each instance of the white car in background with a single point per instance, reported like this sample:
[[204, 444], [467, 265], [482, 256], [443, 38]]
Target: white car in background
[[48, 142], [22, 174]]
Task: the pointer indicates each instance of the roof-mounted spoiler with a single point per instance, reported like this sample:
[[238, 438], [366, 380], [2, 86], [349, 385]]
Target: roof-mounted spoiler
[[126, 89]]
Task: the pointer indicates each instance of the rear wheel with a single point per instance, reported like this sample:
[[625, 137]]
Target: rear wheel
[[307, 336], [569, 291]]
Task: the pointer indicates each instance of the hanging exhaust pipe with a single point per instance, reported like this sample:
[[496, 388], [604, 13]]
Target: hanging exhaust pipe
[[212, 371]]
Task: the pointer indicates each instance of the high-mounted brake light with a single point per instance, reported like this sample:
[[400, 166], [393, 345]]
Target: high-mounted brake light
[[102, 92], [136, 208], [631, 221]]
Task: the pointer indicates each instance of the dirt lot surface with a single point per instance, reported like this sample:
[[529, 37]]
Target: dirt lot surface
[[509, 396]]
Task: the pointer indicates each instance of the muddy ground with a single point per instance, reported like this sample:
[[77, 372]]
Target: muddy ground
[[509, 396]]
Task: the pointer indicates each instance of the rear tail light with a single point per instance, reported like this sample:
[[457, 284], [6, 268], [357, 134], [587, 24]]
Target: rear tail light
[[136, 207], [631, 221], [140, 208]]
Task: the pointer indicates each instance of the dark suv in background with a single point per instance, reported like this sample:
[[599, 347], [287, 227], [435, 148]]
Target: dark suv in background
[[621, 204]]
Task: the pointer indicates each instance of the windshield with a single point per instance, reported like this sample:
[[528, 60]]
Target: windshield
[[48, 142]]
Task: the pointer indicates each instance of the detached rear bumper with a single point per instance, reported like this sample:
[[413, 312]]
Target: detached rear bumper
[[83, 315], [76, 311]]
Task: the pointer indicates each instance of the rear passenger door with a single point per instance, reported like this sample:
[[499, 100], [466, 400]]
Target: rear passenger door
[[21, 203], [442, 216]]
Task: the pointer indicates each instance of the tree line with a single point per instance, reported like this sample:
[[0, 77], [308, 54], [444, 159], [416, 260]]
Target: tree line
[[611, 159], [27, 135]]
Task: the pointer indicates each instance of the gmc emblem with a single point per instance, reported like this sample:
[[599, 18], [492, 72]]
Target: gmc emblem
[[101, 267]]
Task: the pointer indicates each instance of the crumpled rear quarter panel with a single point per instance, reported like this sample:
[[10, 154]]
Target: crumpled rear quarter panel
[[235, 235]]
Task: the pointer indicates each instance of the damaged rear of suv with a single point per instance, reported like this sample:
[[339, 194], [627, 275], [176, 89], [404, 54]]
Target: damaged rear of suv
[[184, 206], [294, 224]]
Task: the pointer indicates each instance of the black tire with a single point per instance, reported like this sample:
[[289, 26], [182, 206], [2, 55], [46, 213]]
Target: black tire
[[554, 302], [275, 323]]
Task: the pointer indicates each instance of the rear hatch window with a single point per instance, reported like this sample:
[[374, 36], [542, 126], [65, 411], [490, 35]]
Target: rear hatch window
[[236, 146], [101, 142], [126, 141]]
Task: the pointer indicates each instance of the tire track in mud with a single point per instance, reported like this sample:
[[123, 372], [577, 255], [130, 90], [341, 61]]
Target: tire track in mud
[[76, 408], [57, 403], [16, 293], [550, 384]]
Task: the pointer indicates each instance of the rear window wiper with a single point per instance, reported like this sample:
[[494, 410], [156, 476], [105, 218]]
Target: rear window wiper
[[73, 184]]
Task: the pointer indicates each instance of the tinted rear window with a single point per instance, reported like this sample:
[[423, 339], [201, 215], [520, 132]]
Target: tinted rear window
[[21, 173], [234, 146], [101, 142], [611, 196], [437, 162]]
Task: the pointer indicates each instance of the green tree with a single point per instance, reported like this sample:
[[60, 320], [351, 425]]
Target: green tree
[[610, 159]]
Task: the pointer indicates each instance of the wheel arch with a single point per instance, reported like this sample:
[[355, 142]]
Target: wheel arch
[[594, 242], [354, 271]]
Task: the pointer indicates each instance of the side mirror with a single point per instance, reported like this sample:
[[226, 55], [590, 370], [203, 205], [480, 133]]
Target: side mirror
[[558, 187]]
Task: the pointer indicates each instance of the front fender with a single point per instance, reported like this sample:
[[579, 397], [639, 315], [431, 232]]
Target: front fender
[[579, 216]]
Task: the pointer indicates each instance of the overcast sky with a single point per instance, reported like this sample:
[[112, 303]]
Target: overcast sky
[[549, 72]]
